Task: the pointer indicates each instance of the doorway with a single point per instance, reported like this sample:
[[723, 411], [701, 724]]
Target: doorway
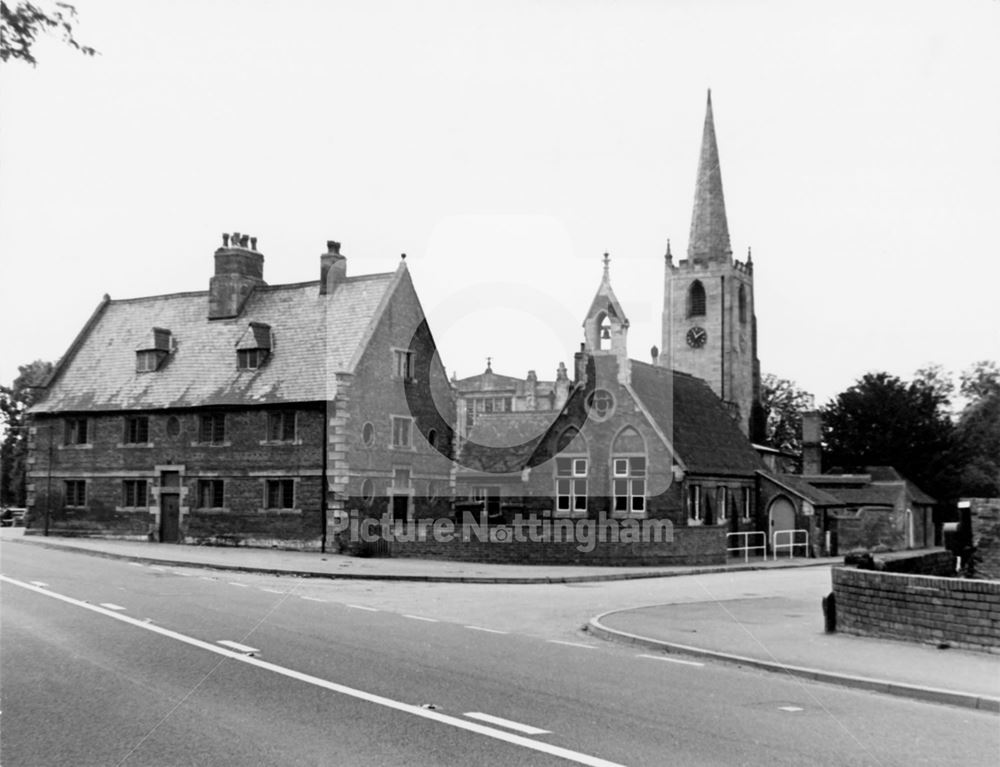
[[170, 517], [781, 516]]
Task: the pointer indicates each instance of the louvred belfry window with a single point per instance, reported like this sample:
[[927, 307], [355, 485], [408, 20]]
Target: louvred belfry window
[[696, 299]]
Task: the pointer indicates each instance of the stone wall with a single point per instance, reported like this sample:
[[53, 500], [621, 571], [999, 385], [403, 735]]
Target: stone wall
[[918, 608], [690, 546]]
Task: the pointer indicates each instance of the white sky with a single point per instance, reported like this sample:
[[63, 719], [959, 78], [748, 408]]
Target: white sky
[[504, 147]]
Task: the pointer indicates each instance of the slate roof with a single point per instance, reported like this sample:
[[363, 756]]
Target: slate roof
[[312, 336], [869, 495], [815, 495], [704, 435], [504, 442]]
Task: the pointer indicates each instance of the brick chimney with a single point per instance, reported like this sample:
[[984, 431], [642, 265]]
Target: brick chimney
[[812, 434], [332, 268], [239, 268]]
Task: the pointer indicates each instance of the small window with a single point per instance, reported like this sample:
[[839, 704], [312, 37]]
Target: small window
[[280, 493], [404, 364], [148, 360], [629, 484], [134, 495], [600, 404], [401, 479], [250, 359], [76, 493], [694, 502], [368, 434], [136, 430], [747, 500], [696, 299], [76, 431], [432, 436], [281, 426], [212, 428], [211, 494], [722, 503], [173, 426], [401, 428]]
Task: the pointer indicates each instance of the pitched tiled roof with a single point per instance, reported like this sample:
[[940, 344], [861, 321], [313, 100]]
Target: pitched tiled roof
[[504, 442], [312, 336], [704, 435], [869, 495]]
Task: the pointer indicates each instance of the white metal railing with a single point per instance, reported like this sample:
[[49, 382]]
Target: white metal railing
[[746, 548], [795, 538]]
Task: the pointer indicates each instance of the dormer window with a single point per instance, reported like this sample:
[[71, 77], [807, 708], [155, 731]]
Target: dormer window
[[254, 346], [154, 349]]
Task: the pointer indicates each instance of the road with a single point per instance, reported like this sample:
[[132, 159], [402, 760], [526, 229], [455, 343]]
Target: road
[[111, 663]]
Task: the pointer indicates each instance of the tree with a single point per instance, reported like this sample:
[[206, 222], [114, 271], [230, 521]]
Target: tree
[[21, 24], [978, 431], [14, 403], [881, 420], [783, 403], [980, 380]]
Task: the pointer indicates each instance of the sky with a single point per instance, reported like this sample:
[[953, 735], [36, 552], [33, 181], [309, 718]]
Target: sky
[[504, 147]]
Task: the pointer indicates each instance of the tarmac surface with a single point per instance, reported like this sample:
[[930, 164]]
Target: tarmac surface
[[780, 633]]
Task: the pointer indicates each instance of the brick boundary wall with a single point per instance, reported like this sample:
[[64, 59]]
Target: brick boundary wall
[[932, 563], [986, 535], [918, 608], [691, 546]]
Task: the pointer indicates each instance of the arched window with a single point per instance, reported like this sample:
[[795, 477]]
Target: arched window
[[572, 464], [741, 299], [628, 471], [696, 299]]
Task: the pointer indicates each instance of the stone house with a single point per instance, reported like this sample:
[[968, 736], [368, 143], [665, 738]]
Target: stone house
[[249, 413]]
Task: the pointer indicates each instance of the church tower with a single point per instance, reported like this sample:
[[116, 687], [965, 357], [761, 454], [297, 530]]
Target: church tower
[[709, 326]]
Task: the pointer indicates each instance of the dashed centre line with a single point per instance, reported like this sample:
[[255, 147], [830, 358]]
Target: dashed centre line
[[313, 599], [272, 591], [482, 628], [361, 607], [572, 644], [112, 606], [241, 585], [421, 618], [245, 649], [527, 729]]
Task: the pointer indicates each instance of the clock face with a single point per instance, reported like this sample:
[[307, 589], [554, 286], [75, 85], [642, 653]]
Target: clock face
[[696, 337]]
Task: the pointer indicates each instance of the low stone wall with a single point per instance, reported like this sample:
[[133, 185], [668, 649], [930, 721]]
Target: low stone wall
[[690, 546], [918, 608], [931, 563]]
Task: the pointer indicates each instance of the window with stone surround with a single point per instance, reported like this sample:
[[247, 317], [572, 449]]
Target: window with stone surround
[[212, 428], [721, 504], [134, 494], [211, 493], [76, 432], [281, 426], [402, 431], [628, 472], [695, 509], [403, 364], [75, 493], [280, 494], [136, 430]]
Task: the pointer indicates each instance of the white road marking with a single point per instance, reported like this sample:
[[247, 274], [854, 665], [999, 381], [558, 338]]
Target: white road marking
[[202, 577], [790, 708], [185, 575], [136, 564], [420, 618], [238, 647], [491, 631], [43, 584], [272, 591], [112, 606], [572, 644], [157, 567], [362, 607], [313, 599], [241, 585], [527, 729], [479, 729], [671, 660]]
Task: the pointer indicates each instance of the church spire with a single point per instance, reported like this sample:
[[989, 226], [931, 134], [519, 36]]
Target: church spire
[[709, 240]]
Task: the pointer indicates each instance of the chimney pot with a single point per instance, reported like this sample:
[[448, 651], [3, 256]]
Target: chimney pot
[[332, 246], [225, 239], [253, 243]]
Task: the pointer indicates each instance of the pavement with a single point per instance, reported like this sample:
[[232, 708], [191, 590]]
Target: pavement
[[777, 633]]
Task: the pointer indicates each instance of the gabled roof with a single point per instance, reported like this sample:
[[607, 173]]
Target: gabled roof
[[704, 435], [312, 336]]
